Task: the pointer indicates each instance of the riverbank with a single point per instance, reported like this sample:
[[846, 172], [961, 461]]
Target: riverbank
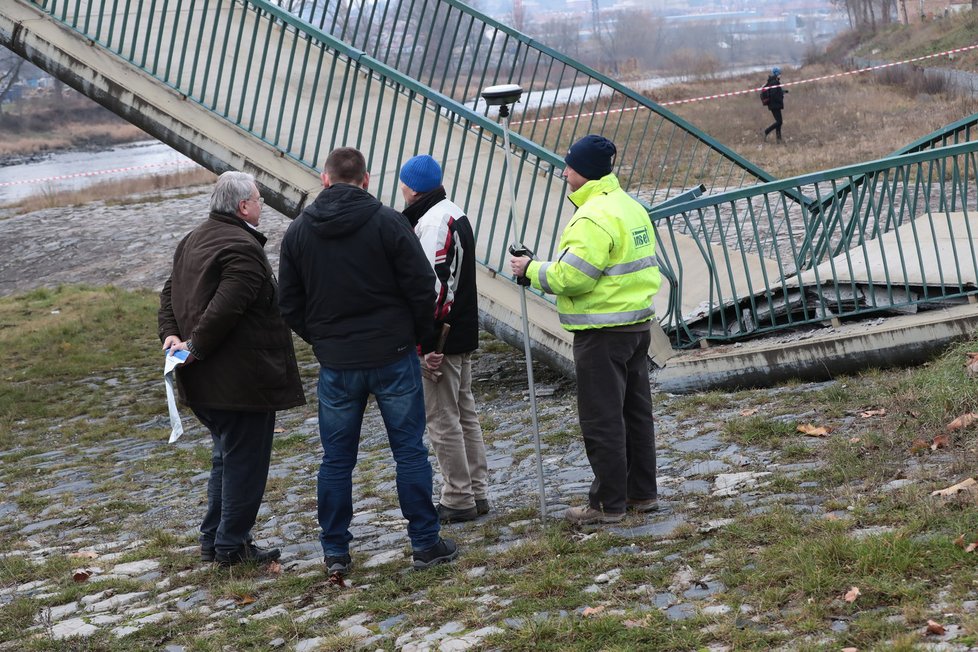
[[793, 518], [35, 126]]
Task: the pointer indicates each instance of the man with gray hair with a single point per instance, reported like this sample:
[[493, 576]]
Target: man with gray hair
[[220, 304]]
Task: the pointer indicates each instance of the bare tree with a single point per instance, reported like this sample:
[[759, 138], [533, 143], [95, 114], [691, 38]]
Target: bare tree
[[10, 65], [562, 34], [638, 35], [868, 14]]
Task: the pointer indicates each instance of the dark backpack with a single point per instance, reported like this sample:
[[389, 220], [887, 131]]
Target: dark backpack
[[765, 96]]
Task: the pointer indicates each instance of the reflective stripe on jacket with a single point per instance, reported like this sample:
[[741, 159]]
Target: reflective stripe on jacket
[[607, 272]]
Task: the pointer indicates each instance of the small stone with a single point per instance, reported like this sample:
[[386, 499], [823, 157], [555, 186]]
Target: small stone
[[276, 642], [309, 644], [72, 627], [384, 558], [680, 612], [136, 567]]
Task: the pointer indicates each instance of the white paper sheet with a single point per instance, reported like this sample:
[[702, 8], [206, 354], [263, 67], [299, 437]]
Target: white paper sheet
[[171, 362]]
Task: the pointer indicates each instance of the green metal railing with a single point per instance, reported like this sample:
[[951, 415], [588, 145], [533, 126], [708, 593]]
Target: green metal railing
[[899, 240], [763, 260], [457, 50]]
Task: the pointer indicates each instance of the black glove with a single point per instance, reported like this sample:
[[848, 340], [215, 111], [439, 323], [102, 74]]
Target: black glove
[[519, 249]]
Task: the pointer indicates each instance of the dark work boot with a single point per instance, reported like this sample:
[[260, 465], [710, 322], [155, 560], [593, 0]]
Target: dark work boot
[[247, 553], [441, 553], [341, 564], [452, 515]]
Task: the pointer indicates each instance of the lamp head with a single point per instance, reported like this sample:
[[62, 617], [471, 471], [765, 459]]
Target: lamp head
[[502, 94]]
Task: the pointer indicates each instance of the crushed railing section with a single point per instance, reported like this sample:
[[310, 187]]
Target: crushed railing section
[[899, 241]]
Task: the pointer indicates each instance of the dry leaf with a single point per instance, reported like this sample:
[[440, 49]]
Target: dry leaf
[[854, 440], [919, 446], [243, 600], [274, 568], [935, 628], [971, 366], [336, 579], [881, 412], [963, 421], [632, 624], [850, 649], [81, 575], [812, 430], [971, 546], [968, 485], [940, 441], [852, 594], [590, 611], [83, 554], [749, 412], [279, 430], [959, 542]]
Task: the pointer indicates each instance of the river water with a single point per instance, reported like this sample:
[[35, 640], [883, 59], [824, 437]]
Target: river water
[[73, 170]]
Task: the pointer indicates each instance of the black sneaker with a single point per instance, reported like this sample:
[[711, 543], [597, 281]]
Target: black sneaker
[[482, 506], [207, 552], [247, 553], [441, 553], [341, 564], [452, 515]]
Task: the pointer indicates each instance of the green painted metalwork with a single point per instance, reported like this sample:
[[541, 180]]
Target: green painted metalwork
[[763, 260], [457, 50], [889, 236]]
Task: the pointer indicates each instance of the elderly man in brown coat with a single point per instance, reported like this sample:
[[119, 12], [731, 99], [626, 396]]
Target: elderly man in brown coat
[[221, 305]]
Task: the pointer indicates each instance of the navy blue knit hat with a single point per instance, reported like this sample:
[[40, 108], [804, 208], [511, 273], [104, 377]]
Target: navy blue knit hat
[[421, 173], [592, 157]]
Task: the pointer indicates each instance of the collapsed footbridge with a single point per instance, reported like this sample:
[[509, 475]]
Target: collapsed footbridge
[[271, 87]]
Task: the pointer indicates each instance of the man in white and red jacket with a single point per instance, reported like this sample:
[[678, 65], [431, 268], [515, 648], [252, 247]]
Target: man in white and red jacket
[[453, 425]]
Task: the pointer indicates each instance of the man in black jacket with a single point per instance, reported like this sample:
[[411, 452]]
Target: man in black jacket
[[357, 286], [220, 305], [453, 425], [775, 101]]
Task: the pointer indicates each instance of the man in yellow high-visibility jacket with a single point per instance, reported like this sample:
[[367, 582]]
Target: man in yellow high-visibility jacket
[[604, 279]]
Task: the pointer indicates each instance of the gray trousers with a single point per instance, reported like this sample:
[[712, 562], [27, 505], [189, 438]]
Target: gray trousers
[[614, 403]]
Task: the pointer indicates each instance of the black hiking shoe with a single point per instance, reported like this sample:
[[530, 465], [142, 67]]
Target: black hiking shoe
[[341, 564], [247, 553], [643, 506], [452, 515], [441, 553], [207, 552], [482, 506]]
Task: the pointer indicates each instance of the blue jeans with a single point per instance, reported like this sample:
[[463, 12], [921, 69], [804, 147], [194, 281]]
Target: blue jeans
[[343, 397]]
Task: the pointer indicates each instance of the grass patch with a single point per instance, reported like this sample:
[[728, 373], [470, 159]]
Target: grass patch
[[54, 366], [759, 431]]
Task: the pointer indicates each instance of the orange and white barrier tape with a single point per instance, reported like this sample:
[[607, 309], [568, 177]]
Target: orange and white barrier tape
[[97, 172], [704, 98]]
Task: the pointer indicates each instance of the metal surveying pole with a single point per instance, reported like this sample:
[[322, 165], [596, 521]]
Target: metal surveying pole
[[503, 96]]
